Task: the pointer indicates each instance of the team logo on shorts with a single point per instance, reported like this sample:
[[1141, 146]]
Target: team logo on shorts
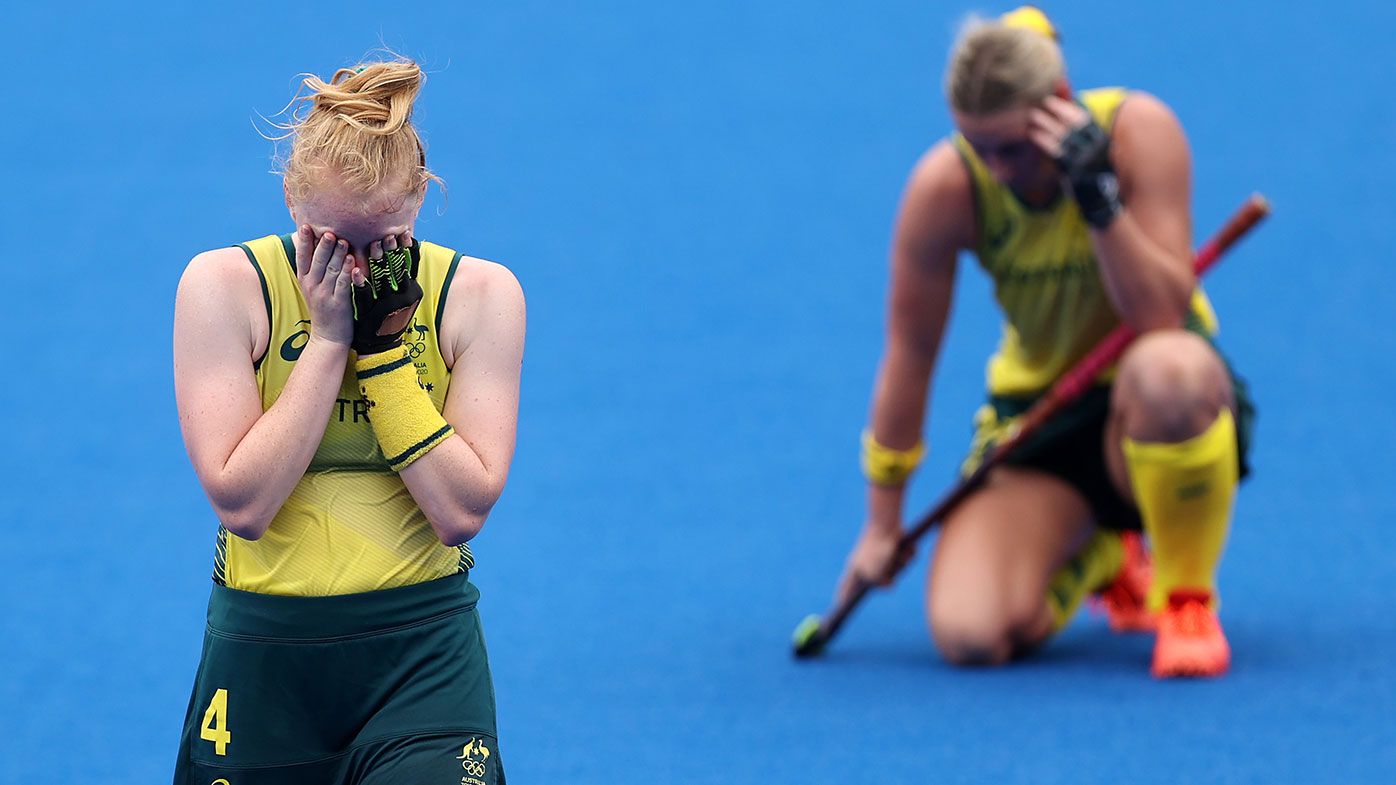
[[473, 757]]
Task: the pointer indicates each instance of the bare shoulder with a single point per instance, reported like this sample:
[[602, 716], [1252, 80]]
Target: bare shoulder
[[221, 293], [220, 272], [938, 205], [482, 284], [485, 297], [1144, 120], [1140, 107], [1150, 151], [942, 174]]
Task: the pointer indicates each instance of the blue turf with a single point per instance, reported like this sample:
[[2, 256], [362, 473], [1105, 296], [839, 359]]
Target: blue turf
[[697, 198]]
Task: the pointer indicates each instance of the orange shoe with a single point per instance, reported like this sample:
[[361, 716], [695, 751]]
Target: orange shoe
[[1125, 600], [1190, 638]]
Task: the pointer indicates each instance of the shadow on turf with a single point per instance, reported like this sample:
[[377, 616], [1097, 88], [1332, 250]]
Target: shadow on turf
[[1086, 646], [1085, 650]]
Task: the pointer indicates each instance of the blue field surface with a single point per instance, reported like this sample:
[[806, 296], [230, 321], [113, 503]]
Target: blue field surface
[[697, 199]]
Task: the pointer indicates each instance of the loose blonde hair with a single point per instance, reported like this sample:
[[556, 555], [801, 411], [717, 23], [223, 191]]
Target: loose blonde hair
[[996, 66], [359, 126]]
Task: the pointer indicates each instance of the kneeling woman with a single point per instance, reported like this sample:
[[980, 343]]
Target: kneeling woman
[[1077, 206], [348, 397]]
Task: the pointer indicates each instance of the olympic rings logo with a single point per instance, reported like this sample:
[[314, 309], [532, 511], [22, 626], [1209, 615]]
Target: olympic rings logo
[[474, 768]]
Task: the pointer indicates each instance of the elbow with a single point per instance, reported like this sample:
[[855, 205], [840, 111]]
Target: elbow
[[237, 505], [242, 517], [457, 518], [1163, 314], [1149, 321], [246, 524], [458, 528], [458, 531]]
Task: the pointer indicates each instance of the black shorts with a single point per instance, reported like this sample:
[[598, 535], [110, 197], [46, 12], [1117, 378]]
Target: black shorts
[[383, 687], [1071, 446]]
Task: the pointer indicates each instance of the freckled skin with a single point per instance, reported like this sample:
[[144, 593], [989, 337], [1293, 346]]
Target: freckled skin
[[359, 219]]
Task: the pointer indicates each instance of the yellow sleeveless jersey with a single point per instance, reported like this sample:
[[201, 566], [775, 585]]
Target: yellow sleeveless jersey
[[350, 525], [1045, 276]]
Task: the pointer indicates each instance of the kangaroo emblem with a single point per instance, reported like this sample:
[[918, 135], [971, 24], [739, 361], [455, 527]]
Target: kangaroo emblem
[[475, 749]]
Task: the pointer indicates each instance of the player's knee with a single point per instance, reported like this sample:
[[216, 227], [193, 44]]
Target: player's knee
[[966, 639], [1170, 386], [972, 651]]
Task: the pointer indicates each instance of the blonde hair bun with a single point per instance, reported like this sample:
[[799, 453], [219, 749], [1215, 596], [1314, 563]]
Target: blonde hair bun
[[376, 98], [1030, 17], [358, 125]]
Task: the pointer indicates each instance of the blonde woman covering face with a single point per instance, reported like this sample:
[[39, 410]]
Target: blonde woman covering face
[[348, 395]]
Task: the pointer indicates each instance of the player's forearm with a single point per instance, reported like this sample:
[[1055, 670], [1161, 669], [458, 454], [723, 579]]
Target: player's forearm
[[453, 482], [1149, 288], [272, 457], [455, 488], [898, 415], [900, 396], [885, 504]]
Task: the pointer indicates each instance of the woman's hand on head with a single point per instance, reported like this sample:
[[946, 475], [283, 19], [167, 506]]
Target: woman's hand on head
[[1052, 121], [1081, 148], [327, 271]]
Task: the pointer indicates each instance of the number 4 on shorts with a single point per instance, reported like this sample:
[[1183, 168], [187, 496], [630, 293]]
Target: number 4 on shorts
[[215, 727]]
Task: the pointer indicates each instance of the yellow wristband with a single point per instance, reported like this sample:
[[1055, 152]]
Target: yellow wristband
[[883, 465], [403, 417]]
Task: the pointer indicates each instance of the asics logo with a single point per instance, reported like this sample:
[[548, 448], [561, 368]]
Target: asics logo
[[292, 347]]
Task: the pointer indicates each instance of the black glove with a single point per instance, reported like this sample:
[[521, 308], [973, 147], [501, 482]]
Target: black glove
[[385, 303], [1085, 160]]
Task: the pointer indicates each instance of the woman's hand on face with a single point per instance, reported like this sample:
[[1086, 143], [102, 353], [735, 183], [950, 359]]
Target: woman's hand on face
[[385, 308], [1051, 121], [326, 272], [390, 243], [1066, 131]]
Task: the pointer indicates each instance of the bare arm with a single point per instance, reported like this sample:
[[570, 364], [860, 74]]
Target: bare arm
[[1145, 251], [482, 335], [935, 221], [247, 460]]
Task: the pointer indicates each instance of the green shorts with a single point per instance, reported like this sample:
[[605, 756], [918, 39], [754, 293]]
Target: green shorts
[[1071, 446], [383, 687]]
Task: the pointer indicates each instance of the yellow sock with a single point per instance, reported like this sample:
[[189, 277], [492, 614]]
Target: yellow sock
[[1184, 492], [1095, 566]]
